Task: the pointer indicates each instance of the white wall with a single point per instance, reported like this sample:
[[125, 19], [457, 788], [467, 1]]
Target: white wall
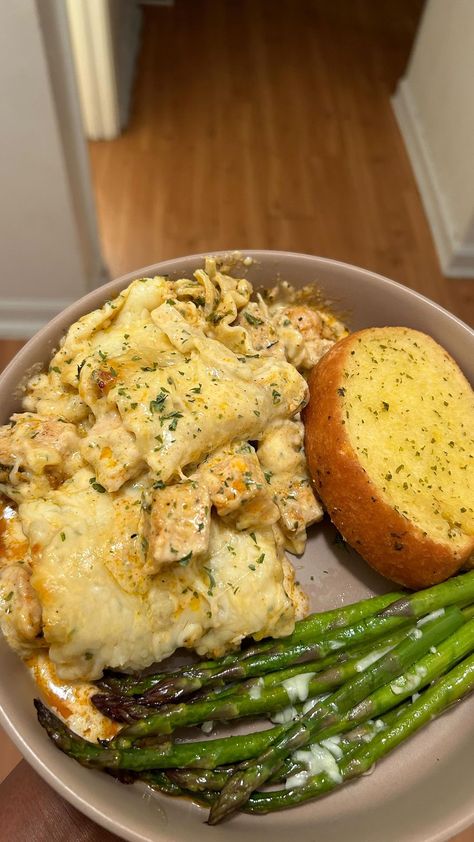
[[435, 108], [48, 236]]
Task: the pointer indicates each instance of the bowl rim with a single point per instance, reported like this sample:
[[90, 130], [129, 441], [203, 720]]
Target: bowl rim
[[34, 758]]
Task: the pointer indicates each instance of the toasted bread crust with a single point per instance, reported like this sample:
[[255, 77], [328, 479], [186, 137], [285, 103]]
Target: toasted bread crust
[[392, 544]]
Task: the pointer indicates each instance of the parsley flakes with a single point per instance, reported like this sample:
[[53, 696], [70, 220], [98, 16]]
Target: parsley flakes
[[253, 320], [157, 405], [97, 486]]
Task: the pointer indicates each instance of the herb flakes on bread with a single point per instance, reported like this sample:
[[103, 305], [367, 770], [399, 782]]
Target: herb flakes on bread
[[389, 442]]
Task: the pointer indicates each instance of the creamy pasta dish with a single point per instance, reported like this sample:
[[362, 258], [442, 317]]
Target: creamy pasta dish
[[156, 476]]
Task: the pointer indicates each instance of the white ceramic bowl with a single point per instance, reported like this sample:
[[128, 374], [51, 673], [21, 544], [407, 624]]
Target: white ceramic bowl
[[422, 792]]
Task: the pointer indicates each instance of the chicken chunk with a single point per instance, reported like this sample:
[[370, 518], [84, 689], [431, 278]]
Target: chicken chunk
[[36, 444], [178, 526], [282, 458], [20, 610], [301, 330], [237, 486], [112, 452]]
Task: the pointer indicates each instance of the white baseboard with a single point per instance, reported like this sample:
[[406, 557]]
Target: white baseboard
[[457, 260], [20, 318]]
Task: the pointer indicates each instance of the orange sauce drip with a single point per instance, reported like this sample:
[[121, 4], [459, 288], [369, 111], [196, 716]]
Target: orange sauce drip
[[68, 698], [10, 550]]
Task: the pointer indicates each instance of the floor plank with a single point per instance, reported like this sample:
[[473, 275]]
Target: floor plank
[[8, 349]]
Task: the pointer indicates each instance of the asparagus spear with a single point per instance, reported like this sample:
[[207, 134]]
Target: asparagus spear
[[129, 709], [160, 780], [202, 780], [209, 781], [251, 702], [204, 784], [123, 708], [319, 624], [123, 684], [423, 672], [164, 782], [359, 756], [459, 589], [451, 687], [283, 653], [340, 656], [207, 754], [190, 679], [310, 628], [328, 712]]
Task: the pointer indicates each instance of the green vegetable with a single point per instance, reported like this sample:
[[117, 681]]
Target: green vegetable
[[247, 700], [207, 754], [329, 712], [312, 628], [459, 589], [373, 656], [175, 686], [125, 708], [447, 690]]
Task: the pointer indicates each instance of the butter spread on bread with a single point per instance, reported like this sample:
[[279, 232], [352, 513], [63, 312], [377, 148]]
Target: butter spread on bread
[[389, 442]]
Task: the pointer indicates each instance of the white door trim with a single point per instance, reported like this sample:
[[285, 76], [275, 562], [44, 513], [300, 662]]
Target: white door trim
[[104, 36], [456, 258]]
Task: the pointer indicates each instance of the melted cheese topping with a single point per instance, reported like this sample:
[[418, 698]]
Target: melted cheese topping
[[143, 519], [318, 759]]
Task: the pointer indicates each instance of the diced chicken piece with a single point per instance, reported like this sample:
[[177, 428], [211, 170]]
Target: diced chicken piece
[[20, 610], [281, 455], [301, 331], [38, 444], [178, 527], [237, 486], [232, 477], [112, 452], [259, 511], [298, 509]]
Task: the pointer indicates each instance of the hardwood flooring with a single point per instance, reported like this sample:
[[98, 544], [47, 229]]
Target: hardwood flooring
[[268, 124], [8, 349]]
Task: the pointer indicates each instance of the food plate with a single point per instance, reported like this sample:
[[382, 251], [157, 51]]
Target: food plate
[[423, 791]]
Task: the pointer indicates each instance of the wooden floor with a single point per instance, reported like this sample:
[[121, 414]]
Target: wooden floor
[[8, 349], [268, 124]]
